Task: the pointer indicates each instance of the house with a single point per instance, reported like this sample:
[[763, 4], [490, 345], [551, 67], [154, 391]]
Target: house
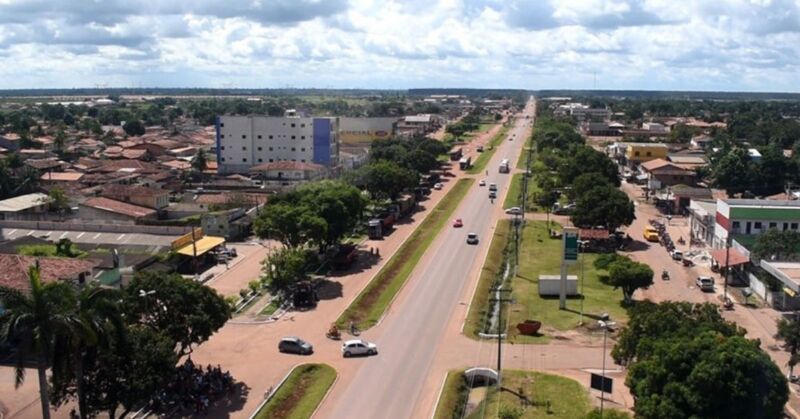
[[108, 210], [232, 224], [661, 173], [702, 142], [15, 270], [10, 141], [126, 165], [689, 161], [25, 207], [60, 177], [602, 129], [638, 153], [752, 217], [418, 124], [785, 297], [702, 219], [136, 154], [655, 127], [138, 195], [289, 172], [152, 148], [679, 197]]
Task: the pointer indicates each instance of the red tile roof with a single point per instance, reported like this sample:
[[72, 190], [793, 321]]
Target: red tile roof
[[15, 269], [118, 207], [139, 166], [116, 191]]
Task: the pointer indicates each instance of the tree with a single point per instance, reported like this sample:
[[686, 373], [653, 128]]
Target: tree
[[183, 310], [629, 276], [789, 332], [199, 161], [603, 205], [584, 159], [58, 201], [60, 140], [33, 323], [101, 323], [731, 172], [340, 205], [134, 128], [385, 179], [283, 269], [291, 225], [777, 244], [707, 376], [584, 183], [420, 161]]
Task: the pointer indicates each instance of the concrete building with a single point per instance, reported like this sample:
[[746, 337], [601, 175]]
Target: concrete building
[[25, 207], [582, 112], [637, 153], [419, 124], [655, 127], [661, 173], [753, 217], [233, 224], [359, 130], [287, 173], [702, 220], [247, 141], [111, 211], [138, 195]]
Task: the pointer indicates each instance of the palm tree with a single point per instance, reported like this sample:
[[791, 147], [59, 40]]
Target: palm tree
[[199, 161], [100, 320], [31, 324]]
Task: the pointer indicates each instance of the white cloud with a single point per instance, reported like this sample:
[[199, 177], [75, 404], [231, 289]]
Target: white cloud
[[646, 44]]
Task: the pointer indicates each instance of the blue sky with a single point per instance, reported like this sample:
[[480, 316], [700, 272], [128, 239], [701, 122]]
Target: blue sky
[[732, 45]]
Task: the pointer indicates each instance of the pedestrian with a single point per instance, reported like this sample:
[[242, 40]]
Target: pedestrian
[[377, 252], [352, 327]]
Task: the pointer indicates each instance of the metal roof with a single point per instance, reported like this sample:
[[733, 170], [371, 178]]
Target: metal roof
[[23, 202]]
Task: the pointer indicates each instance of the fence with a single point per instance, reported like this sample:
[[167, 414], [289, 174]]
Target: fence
[[96, 227]]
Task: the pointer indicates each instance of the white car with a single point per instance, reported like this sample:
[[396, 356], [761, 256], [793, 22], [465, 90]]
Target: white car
[[438, 186], [482, 182], [358, 347], [514, 211], [705, 283]]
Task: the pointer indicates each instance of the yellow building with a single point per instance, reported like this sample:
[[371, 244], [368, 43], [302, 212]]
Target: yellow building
[[643, 152]]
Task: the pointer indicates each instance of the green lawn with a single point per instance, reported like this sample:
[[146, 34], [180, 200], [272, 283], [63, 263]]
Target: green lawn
[[514, 197], [492, 269], [567, 398], [540, 254], [370, 305], [270, 309], [300, 394], [484, 157]]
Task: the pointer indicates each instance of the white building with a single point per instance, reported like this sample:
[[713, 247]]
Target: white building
[[247, 141], [655, 127], [581, 112]]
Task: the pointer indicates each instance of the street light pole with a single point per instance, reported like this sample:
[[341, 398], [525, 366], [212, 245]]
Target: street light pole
[[500, 300], [727, 267], [604, 324]]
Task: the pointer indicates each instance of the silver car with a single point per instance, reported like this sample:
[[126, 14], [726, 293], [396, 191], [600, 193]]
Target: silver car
[[358, 347]]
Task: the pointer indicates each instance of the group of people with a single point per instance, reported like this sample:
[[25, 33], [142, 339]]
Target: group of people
[[193, 388]]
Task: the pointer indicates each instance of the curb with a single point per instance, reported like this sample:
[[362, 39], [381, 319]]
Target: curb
[[439, 397], [274, 390], [327, 393], [475, 288]]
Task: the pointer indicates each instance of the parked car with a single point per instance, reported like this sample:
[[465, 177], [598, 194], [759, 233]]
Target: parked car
[[438, 186], [482, 182], [559, 209], [295, 345], [458, 223], [677, 255], [705, 283], [650, 234], [472, 238], [358, 347], [514, 211]]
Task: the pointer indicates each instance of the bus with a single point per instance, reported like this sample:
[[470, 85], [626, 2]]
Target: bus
[[465, 163], [504, 166]]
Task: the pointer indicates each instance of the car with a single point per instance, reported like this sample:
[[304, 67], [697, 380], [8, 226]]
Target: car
[[438, 186], [493, 187], [650, 234], [558, 209], [492, 195], [472, 238], [514, 211], [482, 182], [458, 223], [705, 283], [479, 149], [358, 347], [677, 255], [295, 345]]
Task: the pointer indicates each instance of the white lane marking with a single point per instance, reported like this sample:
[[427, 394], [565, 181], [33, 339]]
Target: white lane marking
[[63, 234], [30, 232], [120, 237], [80, 235], [96, 235], [11, 233]]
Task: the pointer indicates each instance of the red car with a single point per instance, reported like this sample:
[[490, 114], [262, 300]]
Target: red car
[[458, 223]]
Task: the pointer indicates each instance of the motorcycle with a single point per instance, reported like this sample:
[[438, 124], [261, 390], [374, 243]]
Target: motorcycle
[[333, 333], [664, 275]]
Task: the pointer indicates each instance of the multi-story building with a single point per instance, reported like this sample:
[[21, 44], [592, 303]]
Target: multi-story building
[[752, 217], [247, 141], [356, 130], [637, 153], [582, 112]]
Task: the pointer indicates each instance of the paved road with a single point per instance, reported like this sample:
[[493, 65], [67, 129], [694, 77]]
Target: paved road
[[388, 385], [91, 237]]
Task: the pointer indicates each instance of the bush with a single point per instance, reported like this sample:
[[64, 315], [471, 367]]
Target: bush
[[603, 261], [509, 412]]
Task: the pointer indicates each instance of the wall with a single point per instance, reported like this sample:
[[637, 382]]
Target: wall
[[96, 226]]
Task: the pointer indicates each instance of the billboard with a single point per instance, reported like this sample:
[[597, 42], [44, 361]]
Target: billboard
[[604, 384], [570, 245]]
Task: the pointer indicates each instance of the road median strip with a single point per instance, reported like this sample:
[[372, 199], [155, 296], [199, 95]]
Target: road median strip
[[299, 394], [486, 156], [372, 302]]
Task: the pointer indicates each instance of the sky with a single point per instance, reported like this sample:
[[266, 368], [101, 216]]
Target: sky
[[728, 45]]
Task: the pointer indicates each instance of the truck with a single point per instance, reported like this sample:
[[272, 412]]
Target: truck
[[465, 163], [505, 166], [456, 154], [345, 256]]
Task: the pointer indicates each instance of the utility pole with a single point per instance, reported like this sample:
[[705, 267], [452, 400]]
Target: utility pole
[[727, 267], [500, 300]]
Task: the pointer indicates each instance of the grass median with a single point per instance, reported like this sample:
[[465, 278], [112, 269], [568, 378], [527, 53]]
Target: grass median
[[301, 393], [370, 305], [541, 255], [525, 395], [488, 152]]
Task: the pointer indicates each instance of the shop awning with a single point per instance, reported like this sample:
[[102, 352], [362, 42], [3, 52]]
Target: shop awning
[[203, 245], [735, 258]]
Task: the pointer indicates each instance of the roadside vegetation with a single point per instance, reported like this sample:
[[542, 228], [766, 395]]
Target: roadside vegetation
[[491, 272], [525, 395], [301, 393], [64, 248], [370, 305]]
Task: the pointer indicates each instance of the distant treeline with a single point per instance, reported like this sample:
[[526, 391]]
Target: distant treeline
[[657, 94], [156, 91]]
